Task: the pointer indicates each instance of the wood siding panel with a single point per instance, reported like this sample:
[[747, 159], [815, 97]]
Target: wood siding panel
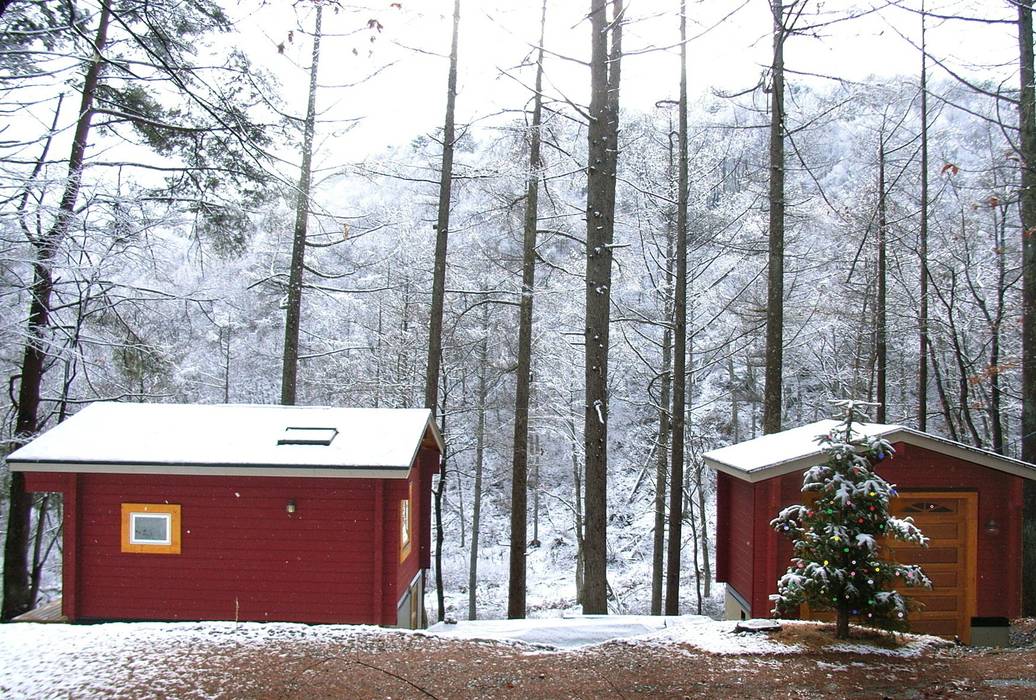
[[742, 537], [46, 482], [998, 566], [722, 534], [243, 556]]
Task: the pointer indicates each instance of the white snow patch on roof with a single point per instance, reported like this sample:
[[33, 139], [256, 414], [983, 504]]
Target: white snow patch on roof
[[786, 446], [246, 435]]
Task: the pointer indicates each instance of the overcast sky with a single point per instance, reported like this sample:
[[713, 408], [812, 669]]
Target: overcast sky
[[730, 52]]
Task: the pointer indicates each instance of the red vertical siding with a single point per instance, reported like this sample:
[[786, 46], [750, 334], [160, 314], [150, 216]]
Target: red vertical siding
[[409, 566], [722, 535], [429, 466], [998, 561], [1011, 529], [742, 538], [243, 556], [767, 502], [913, 468], [53, 482], [378, 551], [70, 551]]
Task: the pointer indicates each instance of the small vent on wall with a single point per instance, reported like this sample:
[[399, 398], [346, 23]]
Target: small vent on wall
[[307, 436]]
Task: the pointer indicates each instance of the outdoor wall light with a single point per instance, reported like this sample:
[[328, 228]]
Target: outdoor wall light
[[992, 527], [291, 506]]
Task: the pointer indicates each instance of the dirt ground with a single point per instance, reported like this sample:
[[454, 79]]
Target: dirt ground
[[411, 666]]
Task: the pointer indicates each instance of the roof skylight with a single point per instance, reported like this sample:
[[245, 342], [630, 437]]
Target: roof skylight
[[307, 436]]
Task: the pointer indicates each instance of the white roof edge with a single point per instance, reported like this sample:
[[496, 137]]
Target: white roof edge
[[209, 470], [978, 455], [436, 434], [113, 437], [896, 433], [755, 475], [430, 427]]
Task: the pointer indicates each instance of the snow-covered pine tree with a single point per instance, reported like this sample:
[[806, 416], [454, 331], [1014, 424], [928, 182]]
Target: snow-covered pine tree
[[837, 564]]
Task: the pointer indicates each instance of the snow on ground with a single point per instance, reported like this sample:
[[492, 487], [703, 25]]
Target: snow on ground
[[566, 632], [715, 637], [55, 660]]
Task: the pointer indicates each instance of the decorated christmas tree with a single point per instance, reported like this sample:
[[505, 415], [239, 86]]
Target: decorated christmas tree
[[837, 562]]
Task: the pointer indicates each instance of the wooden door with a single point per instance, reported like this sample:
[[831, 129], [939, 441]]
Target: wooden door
[[948, 519]]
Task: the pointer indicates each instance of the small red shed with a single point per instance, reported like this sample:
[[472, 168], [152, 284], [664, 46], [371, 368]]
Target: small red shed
[[968, 502], [250, 513]]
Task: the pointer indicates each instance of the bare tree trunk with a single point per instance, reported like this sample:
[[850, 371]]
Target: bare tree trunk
[[772, 393], [37, 547], [735, 418], [537, 451], [442, 227], [577, 489], [673, 559], [17, 586], [603, 146], [880, 324], [664, 416], [995, 391], [480, 441], [289, 366], [1027, 195], [432, 370], [440, 535], [519, 474], [922, 247], [947, 409], [700, 476]]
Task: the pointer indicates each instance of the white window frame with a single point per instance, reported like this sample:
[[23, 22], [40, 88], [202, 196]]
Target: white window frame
[[167, 517]]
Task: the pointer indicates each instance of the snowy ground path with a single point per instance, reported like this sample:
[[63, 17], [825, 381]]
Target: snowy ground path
[[561, 658]]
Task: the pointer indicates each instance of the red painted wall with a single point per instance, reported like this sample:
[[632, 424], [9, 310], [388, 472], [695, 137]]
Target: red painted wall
[[738, 539], [913, 468], [243, 556]]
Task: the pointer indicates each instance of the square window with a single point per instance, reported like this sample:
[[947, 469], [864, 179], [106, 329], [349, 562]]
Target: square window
[[150, 528]]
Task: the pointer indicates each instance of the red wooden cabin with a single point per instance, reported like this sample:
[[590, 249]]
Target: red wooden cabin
[[966, 500], [250, 513]]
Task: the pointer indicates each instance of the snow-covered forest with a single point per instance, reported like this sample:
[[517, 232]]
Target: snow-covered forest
[[150, 194]]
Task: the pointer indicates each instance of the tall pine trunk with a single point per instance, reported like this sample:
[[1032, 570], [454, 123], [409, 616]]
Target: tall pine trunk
[[480, 443], [293, 315], [880, 324], [672, 582], [1027, 196], [922, 246], [520, 470], [664, 413], [17, 585], [772, 392], [442, 228], [603, 146]]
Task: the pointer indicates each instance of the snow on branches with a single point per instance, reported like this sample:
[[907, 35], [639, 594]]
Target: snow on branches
[[837, 562]]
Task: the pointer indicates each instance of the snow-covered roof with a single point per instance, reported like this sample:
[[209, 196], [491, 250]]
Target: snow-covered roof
[[224, 439], [796, 449]]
